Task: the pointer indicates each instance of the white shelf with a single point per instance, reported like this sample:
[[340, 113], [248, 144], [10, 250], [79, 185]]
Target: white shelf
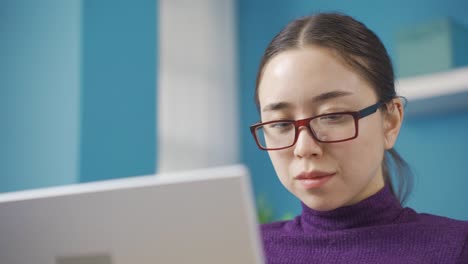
[[433, 93]]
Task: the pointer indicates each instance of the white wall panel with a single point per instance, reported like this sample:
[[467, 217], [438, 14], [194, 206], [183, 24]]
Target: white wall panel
[[197, 97]]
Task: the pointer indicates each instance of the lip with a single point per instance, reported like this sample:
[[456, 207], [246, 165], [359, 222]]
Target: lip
[[314, 179]]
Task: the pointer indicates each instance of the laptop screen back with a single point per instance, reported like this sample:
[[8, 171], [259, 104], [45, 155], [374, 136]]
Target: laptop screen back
[[202, 216]]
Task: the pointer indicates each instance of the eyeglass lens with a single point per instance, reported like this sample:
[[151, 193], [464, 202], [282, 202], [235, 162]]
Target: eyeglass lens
[[327, 128]]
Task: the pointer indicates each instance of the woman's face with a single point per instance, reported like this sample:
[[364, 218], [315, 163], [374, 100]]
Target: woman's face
[[306, 82]]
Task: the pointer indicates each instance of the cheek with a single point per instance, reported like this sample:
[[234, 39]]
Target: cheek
[[362, 156], [281, 160]]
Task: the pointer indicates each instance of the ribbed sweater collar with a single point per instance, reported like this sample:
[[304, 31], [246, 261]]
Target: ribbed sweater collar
[[378, 209]]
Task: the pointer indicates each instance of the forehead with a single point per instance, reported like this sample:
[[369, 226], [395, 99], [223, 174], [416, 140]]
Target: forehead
[[300, 74]]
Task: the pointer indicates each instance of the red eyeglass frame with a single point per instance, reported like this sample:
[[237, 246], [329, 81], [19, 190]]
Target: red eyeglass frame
[[306, 122]]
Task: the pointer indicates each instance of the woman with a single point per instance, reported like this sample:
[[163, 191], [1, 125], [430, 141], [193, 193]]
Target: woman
[[330, 118]]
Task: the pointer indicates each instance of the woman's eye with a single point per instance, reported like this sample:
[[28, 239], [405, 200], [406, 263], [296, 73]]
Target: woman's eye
[[281, 125], [332, 118]]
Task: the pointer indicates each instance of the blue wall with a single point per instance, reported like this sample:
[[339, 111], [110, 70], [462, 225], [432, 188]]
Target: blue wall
[[39, 93], [435, 146], [118, 103], [77, 91]]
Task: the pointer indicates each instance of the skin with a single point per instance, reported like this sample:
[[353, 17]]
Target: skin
[[289, 88]]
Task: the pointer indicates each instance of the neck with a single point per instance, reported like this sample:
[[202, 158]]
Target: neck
[[379, 208], [375, 185]]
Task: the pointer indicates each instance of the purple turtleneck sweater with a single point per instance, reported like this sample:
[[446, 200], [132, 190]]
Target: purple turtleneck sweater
[[375, 230]]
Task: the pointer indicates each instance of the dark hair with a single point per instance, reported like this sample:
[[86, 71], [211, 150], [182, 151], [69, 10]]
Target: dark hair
[[358, 47]]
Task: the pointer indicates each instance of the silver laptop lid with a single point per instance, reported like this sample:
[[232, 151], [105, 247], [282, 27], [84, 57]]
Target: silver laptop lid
[[200, 216]]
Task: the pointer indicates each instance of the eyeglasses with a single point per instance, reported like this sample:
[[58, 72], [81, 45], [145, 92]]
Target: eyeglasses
[[326, 128]]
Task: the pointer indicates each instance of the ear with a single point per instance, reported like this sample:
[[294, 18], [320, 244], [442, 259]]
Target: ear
[[393, 119]]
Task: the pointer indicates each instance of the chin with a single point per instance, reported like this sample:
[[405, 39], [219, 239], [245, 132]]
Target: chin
[[320, 205]]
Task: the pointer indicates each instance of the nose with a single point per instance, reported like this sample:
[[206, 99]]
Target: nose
[[306, 145]]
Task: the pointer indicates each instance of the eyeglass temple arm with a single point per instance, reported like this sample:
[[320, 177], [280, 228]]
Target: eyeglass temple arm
[[370, 110]]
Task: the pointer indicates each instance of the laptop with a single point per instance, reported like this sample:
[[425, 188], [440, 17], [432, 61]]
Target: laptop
[[199, 216]]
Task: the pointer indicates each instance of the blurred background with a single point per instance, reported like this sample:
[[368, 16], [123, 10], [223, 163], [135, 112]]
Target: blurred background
[[99, 89]]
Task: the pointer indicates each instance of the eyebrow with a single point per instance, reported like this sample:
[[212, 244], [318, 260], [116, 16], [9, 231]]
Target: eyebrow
[[316, 99]]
